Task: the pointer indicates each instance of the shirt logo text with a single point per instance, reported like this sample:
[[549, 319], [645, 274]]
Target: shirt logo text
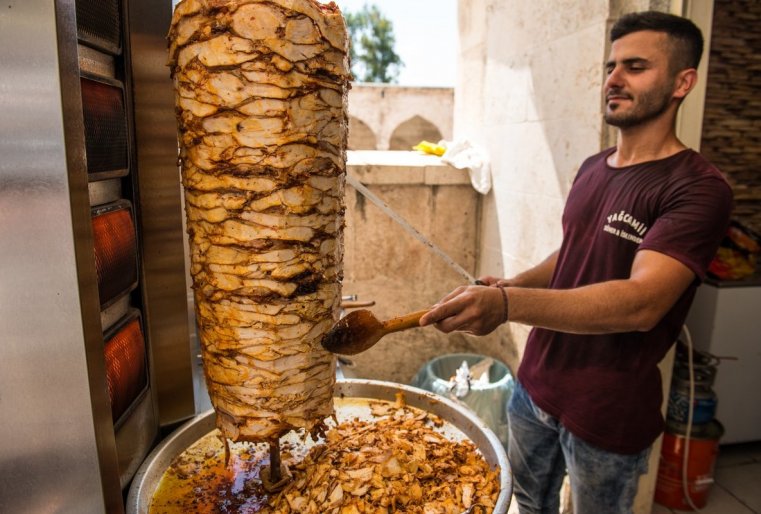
[[637, 228]]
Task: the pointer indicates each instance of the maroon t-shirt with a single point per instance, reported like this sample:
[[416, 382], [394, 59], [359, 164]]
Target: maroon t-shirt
[[606, 389]]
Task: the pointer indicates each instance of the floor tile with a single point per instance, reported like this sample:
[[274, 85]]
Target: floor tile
[[737, 454], [513, 509], [743, 482], [754, 449], [738, 483], [722, 502], [660, 509]]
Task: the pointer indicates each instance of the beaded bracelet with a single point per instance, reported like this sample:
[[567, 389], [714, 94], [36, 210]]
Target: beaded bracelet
[[504, 302]]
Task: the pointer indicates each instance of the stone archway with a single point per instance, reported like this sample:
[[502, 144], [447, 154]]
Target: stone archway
[[411, 132], [361, 136]]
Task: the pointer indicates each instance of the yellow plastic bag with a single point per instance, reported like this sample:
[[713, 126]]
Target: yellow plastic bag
[[431, 148]]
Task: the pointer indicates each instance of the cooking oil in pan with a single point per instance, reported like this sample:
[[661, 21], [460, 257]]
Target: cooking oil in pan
[[198, 480]]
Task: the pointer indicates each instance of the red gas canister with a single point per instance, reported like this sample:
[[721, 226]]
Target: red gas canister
[[703, 449]]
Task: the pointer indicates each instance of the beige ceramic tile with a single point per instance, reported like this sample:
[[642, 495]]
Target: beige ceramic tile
[[722, 502], [743, 483]]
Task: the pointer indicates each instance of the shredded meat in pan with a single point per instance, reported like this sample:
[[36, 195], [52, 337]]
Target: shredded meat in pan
[[398, 461], [395, 464]]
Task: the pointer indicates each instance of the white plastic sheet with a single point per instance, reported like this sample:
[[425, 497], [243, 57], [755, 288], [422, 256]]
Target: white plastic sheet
[[465, 155]]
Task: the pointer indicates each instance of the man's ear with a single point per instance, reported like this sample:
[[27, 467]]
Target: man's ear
[[684, 81]]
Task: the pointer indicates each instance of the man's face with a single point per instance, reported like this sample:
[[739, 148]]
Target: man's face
[[640, 86]]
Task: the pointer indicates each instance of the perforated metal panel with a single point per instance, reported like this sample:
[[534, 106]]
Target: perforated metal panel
[[99, 24]]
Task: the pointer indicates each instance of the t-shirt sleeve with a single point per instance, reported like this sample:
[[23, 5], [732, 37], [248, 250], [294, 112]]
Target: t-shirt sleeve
[[692, 223]]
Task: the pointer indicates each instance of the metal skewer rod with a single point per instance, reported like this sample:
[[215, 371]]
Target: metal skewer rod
[[356, 184], [275, 474]]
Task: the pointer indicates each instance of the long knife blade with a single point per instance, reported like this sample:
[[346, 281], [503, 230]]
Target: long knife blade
[[356, 184]]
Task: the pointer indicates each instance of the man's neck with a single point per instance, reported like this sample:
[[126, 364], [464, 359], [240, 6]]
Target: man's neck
[[644, 143]]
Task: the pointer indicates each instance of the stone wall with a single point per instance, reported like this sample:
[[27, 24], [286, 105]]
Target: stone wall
[[529, 91], [732, 115], [383, 263], [390, 117]]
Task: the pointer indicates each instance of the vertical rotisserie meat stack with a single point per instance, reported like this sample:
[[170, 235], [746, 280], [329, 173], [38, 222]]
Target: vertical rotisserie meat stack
[[261, 103]]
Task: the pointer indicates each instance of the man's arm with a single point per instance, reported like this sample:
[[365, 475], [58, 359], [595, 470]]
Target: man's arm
[[637, 303], [537, 277]]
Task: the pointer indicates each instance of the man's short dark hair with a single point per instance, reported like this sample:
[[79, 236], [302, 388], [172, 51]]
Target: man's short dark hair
[[686, 38]]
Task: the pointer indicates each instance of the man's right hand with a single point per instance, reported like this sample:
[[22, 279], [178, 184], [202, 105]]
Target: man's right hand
[[477, 310]]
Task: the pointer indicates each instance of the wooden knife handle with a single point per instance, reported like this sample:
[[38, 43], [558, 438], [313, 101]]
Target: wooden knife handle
[[404, 322]]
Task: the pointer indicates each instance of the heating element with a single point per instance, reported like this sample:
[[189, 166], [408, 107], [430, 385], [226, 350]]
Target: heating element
[[126, 367], [115, 250], [105, 119]]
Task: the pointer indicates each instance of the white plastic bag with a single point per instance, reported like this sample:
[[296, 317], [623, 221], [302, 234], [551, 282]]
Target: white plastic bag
[[464, 154]]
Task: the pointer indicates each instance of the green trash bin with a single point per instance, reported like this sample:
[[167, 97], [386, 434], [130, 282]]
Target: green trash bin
[[487, 399]]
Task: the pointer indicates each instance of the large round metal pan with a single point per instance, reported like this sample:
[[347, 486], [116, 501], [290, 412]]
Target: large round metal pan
[[460, 423]]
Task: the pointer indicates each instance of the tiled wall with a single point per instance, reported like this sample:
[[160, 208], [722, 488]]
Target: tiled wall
[[732, 117]]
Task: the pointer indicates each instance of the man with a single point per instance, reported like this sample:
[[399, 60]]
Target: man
[[641, 224]]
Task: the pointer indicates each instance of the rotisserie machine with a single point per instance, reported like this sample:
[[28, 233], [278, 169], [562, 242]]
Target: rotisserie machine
[[93, 296]]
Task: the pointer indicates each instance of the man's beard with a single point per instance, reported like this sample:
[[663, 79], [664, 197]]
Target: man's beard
[[649, 106]]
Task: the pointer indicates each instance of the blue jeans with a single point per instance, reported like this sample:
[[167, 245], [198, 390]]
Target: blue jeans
[[541, 449]]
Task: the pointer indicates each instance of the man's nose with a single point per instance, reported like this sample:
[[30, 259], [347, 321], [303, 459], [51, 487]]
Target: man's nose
[[614, 79]]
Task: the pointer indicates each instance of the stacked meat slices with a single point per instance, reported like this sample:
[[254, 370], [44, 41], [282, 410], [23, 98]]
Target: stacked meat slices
[[261, 101]]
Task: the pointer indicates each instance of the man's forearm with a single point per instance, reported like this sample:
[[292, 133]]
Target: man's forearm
[[637, 303], [615, 306], [634, 304]]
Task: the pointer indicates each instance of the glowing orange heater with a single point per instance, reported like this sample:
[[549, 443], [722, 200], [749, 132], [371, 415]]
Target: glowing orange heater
[[126, 373], [115, 250]]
